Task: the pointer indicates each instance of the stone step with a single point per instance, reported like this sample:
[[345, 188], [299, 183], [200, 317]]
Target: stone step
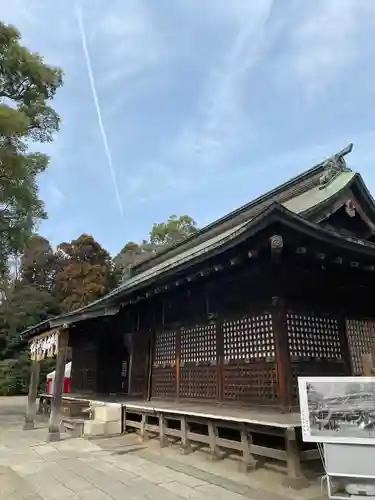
[[74, 426], [99, 428]]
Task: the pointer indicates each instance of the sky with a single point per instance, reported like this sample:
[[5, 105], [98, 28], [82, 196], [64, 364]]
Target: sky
[[206, 104]]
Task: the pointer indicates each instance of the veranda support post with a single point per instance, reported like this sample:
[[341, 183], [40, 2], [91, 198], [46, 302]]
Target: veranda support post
[[58, 386], [33, 392]]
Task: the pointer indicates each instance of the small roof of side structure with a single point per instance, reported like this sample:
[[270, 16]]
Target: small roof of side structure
[[328, 187]]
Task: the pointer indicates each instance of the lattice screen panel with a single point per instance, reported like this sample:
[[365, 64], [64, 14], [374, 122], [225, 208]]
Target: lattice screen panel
[[251, 383], [198, 344], [360, 340], [249, 338], [315, 368], [198, 382], [313, 336], [163, 382], [165, 349]]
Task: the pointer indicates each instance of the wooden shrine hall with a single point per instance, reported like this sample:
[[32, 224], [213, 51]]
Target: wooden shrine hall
[[230, 317]]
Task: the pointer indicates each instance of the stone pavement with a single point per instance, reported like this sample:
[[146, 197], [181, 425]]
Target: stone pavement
[[108, 469]]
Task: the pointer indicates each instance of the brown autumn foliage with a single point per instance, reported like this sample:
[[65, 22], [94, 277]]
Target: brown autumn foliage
[[85, 272]]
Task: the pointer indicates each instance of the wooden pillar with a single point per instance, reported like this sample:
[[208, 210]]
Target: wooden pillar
[[295, 479], [162, 436], [33, 392], [58, 386], [130, 372], [150, 365], [212, 435], [220, 358], [344, 344], [143, 432], [178, 362], [185, 447], [283, 364], [248, 461]]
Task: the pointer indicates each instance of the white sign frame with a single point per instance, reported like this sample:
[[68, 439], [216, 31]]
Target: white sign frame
[[337, 409]]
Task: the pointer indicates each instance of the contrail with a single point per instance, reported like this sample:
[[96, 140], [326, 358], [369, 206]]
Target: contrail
[[97, 105]]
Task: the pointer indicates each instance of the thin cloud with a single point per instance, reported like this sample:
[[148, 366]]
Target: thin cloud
[[323, 41], [127, 35], [222, 125]]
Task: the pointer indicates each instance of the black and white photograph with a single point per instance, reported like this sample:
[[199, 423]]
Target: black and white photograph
[[338, 409]]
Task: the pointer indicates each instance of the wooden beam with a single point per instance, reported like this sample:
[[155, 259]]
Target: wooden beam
[[58, 386], [33, 392]]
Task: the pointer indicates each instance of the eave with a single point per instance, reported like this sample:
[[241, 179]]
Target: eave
[[275, 213], [65, 320]]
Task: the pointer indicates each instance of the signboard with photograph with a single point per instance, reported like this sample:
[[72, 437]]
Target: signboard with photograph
[[337, 409]]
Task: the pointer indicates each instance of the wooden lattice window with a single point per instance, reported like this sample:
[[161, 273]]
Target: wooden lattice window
[[360, 334], [248, 338], [252, 383], [313, 336], [165, 349], [198, 344]]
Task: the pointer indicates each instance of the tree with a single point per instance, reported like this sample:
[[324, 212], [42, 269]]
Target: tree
[[131, 254], [85, 272], [27, 84], [39, 264], [174, 230], [24, 306]]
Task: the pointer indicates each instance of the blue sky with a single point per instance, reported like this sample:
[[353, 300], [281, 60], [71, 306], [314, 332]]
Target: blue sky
[[206, 104]]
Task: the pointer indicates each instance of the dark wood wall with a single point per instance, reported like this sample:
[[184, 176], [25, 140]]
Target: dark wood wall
[[243, 332]]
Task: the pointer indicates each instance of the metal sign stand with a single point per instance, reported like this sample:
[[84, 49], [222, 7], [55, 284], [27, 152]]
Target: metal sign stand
[[350, 471]]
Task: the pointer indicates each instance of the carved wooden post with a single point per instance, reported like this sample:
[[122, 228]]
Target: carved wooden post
[[33, 392], [58, 386], [283, 364]]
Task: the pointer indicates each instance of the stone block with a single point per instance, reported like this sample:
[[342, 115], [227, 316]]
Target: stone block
[[107, 413], [112, 428], [93, 428]]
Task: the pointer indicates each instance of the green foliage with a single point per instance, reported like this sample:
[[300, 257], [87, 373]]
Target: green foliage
[[27, 84], [14, 375], [131, 254], [173, 231], [40, 264]]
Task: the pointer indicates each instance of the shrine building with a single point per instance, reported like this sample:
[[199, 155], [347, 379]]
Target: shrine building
[[230, 317]]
